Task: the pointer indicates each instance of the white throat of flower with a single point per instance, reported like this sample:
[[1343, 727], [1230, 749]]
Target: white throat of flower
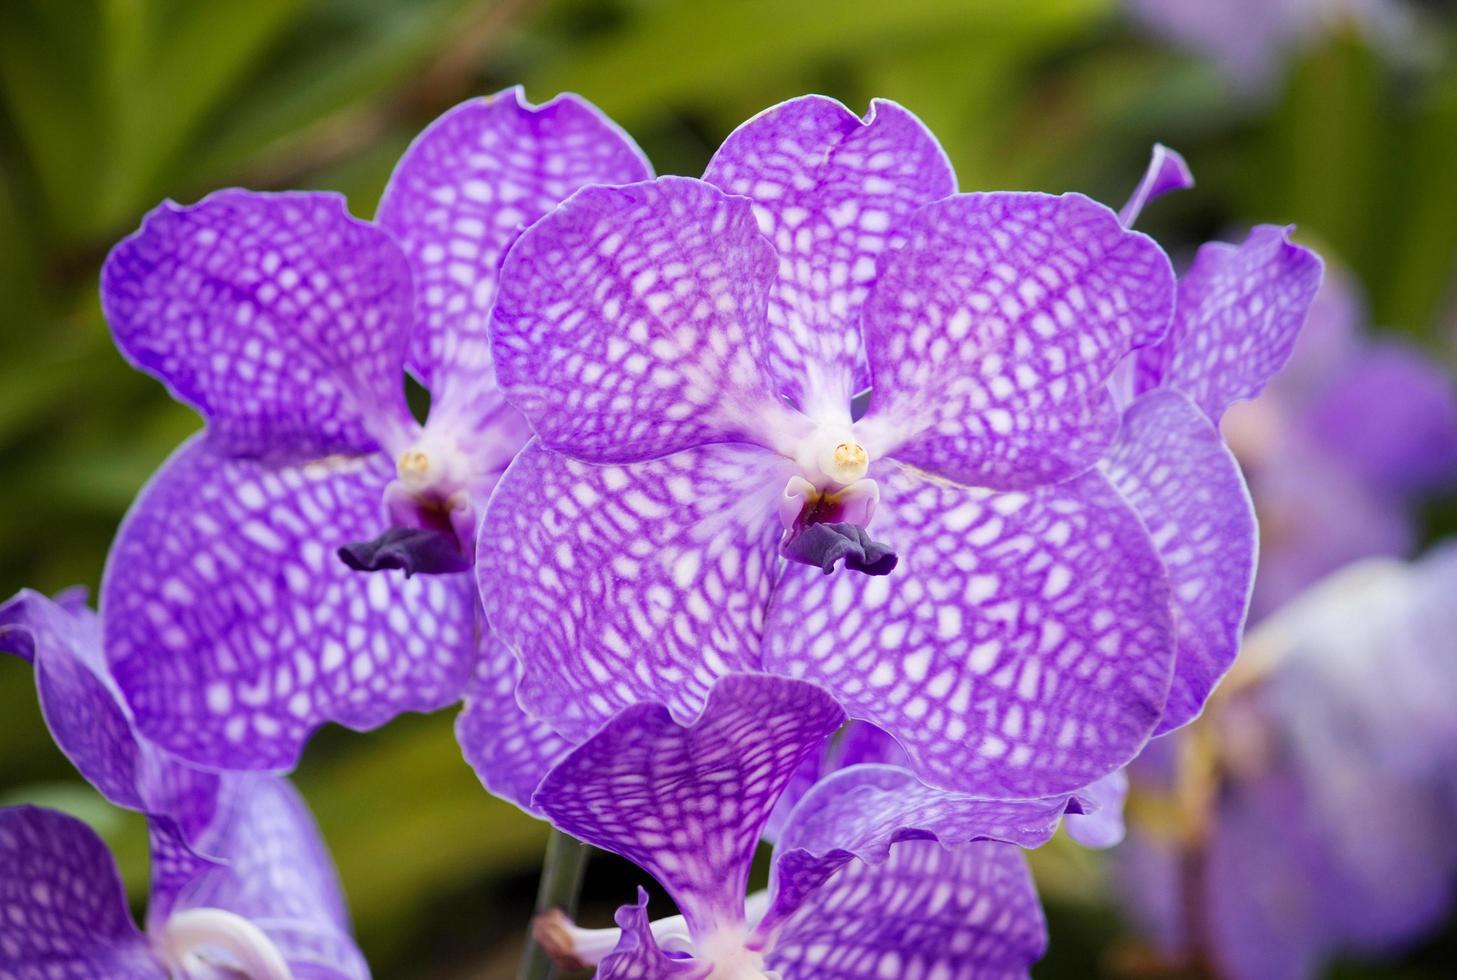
[[203, 942]]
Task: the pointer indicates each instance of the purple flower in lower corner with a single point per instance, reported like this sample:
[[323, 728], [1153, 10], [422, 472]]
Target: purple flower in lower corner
[[240, 878], [231, 624], [1320, 786], [874, 874], [690, 352]]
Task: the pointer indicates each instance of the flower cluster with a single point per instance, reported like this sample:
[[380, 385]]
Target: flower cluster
[[813, 501]]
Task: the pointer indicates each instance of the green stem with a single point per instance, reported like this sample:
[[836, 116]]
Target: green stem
[[561, 881]]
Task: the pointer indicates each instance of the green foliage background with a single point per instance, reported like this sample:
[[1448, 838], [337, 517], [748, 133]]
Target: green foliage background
[[108, 106]]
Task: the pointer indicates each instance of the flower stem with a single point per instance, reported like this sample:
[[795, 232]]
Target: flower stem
[[561, 880]]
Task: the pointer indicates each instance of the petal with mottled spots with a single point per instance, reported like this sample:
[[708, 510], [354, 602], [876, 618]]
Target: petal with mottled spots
[[992, 330], [234, 630], [830, 191], [466, 188], [687, 803], [631, 322], [624, 583], [65, 908], [1240, 309], [969, 911], [1023, 647], [279, 317], [1174, 469], [509, 749]]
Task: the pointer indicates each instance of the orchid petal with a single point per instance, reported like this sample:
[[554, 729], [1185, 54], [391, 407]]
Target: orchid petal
[[620, 584], [509, 749], [687, 803], [461, 194], [1174, 469], [1023, 647], [1166, 172], [279, 317], [234, 630], [65, 907], [927, 910], [830, 191], [1240, 309], [631, 322], [279, 875], [992, 330]]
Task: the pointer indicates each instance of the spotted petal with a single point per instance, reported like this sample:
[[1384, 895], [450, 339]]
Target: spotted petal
[[927, 910], [234, 630], [631, 322], [1174, 469], [1022, 648], [992, 330], [624, 583], [466, 188], [279, 317], [65, 909], [508, 749], [687, 803], [1240, 308], [279, 876], [90, 721], [830, 191]]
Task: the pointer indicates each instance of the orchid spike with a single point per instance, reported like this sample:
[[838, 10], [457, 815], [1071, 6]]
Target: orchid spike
[[235, 619]]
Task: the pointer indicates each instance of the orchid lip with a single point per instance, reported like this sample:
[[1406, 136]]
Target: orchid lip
[[196, 939]]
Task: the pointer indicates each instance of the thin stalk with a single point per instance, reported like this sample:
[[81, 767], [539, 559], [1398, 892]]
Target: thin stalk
[[561, 882]]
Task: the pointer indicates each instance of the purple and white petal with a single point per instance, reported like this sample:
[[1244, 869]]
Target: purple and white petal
[[509, 749], [620, 584], [65, 908], [1240, 309], [1022, 648], [234, 630], [1102, 825], [1167, 172], [1173, 468], [280, 877], [631, 322], [925, 911], [279, 317], [831, 191], [466, 187], [687, 803], [638, 955], [992, 330]]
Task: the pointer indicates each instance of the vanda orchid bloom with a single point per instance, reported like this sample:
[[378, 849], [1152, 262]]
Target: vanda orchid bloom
[[704, 492], [875, 874], [241, 882], [231, 624]]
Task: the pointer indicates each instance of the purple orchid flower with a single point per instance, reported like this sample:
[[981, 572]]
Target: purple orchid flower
[[1238, 314], [875, 873], [688, 353], [1328, 809], [1341, 447], [240, 878], [230, 623]]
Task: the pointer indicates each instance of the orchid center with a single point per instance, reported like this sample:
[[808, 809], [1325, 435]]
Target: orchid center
[[427, 506], [826, 507], [212, 942]]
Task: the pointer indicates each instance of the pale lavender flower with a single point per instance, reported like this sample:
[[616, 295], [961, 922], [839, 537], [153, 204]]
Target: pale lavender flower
[[1342, 447], [874, 873], [240, 878], [230, 623], [1329, 823], [688, 353]]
